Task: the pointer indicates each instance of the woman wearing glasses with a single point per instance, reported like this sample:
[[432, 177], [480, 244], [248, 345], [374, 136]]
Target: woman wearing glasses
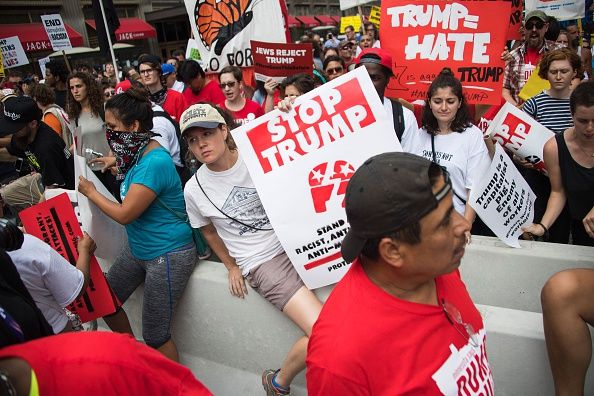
[[449, 138], [160, 251], [334, 67], [243, 110]]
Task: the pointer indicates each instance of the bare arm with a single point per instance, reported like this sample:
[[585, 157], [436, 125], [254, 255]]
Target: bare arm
[[137, 200], [5, 156], [506, 94], [270, 85], [86, 247], [236, 282]]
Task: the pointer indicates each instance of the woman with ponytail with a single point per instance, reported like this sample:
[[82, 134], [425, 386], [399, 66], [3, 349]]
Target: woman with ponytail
[[161, 252]]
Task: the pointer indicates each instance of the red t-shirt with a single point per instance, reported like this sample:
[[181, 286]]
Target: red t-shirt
[[368, 342], [211, 92], [103, 363], [250, 112], [174, 104]]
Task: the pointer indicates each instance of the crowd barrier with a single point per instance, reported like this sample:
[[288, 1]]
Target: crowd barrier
[[227, 342]]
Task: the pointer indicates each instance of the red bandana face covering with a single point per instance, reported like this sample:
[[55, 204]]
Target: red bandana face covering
[[126, 147]]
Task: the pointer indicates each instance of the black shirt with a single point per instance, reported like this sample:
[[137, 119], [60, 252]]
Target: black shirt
[[48, 155], [61, 98]]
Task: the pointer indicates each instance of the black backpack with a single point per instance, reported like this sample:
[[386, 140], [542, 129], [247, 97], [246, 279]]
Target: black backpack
[[184, 172], [398, 116]]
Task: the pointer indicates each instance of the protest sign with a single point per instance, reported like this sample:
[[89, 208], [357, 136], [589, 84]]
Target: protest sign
[[521, 134], [374, 16], [534, 85], [13, 54], [516, 18], [109, 235], [426, 36], [346, 4], [354, 21], [301, 162], [42, 62], [563, 10], [503, 199], [1, 65], [281, 60], [54, 222], [192, 52], [223, 30], [56, 31]]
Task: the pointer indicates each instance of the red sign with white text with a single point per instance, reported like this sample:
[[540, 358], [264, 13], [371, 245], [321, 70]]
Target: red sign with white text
[[54, 222], [279, 60], [427, 36]]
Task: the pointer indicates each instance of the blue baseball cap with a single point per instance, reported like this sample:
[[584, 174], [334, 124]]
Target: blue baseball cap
[[166, 69]]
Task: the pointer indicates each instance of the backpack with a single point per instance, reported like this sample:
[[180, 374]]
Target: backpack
[[67, 127], [184, 173], [398, 116]]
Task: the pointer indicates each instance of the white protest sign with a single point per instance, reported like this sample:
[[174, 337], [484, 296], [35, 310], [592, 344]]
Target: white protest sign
[[521, 134], [563, 10], [109, 235], [13, 54], [42, 62], [346, 4], [503, 199], [223, 30], [301, 163], [56, 31]]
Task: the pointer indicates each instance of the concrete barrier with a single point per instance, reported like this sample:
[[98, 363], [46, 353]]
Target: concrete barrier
[[227, 342]]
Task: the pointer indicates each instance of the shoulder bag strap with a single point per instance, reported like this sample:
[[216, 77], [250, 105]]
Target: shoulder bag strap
[[434, 155]]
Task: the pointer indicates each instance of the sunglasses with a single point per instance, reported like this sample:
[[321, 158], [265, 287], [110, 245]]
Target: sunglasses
[[229, 84], [108, 94], [530, 25], [334, 70], [455, 318]]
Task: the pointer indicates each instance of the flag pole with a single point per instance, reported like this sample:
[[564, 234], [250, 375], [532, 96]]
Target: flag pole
[[113, 58]]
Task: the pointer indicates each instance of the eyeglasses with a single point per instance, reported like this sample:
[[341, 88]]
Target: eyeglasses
[[147, 71], [370, 30], [334, 70], [109, 94], [455, 318], [530, 25], [229, 84]]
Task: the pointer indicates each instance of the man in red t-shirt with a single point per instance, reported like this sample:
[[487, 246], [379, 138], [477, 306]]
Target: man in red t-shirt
[[401, 320], [243, 110], [198, 87], [93, 363], [149, 67]]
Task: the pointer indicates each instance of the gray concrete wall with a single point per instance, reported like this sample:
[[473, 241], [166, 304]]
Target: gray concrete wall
[[227, 342]]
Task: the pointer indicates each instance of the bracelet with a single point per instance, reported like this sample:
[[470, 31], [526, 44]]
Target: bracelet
[[546, 231]]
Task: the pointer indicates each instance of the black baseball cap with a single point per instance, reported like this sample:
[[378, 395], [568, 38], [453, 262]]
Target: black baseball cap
[[18, 112], [387, 193]]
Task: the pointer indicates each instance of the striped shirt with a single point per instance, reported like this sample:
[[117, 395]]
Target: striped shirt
[[552, 113]]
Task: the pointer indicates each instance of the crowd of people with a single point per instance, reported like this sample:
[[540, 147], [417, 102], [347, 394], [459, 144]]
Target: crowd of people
[[158, 138]]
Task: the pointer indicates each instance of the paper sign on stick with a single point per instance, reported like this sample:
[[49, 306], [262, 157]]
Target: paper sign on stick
[[13, 54], [346, 4], [222, 30], [428, 35], [56, 31], [54, 222], [563, 10], [521, 134], [503, 199], [301, 163], [354, 21], [1, 65], [281, 60], [42, 62], [374, 16]]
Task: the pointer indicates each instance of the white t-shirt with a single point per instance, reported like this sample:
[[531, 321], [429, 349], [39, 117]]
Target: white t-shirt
[[52, 281], [168, 139], [410, 122], [462, 154], [233, 192]]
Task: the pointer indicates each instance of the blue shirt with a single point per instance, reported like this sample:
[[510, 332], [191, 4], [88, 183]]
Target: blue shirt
[[157, 231]]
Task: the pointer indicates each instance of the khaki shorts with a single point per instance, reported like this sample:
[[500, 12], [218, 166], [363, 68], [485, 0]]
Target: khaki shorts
[[276, 280]]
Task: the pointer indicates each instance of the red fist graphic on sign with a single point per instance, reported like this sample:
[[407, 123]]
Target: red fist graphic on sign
[[328, 183]]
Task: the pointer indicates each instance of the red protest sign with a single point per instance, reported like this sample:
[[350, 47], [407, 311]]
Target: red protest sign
[[279, 60], [54, 222], [515, 19], [427, 36]]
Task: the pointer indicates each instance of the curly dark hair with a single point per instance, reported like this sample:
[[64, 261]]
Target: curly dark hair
[[95, 95], [462, 119]]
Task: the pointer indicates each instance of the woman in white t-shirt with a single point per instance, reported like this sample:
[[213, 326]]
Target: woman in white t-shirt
[[449, 138], [222, 201]]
